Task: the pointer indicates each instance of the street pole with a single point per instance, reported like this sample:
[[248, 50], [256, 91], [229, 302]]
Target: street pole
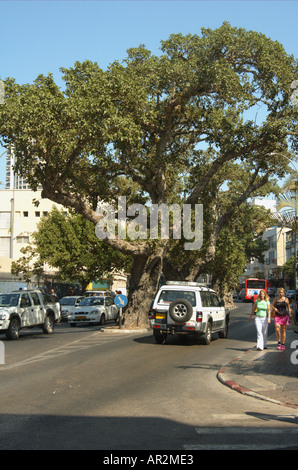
[[295, 230], [295, 254]]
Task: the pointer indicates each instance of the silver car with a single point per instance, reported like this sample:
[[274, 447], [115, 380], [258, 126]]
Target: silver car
[[94, 311], [67, 304]]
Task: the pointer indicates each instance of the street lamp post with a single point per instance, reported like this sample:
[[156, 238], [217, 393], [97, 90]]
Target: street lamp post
[[295, 252], [2, 156]]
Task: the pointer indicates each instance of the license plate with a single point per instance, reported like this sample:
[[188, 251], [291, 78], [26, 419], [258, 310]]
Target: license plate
[[160, 316], [80, 318]]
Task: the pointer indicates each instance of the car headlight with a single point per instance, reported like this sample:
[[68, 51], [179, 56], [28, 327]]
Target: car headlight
[[4, 316], [94, 312]]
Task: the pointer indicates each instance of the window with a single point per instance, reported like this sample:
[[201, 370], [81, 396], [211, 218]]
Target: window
[[25, 301], [35, 298], [209, 299], [4, 219], [22, 239], [26, 214], [37, 214], [168, 296], [205, 299], [214, 302], [5, 246]]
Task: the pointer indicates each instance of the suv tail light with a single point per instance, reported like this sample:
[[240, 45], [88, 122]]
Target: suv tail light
[[199, 316], [152, 313]]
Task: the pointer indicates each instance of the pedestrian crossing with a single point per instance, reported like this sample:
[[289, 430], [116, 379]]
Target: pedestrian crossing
[[96, 339], [244, 438]]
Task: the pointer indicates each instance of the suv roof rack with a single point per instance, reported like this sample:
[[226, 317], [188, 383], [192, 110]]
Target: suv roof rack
[[26, 290], [186, 283]]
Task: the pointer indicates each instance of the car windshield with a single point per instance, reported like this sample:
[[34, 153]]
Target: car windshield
[[68, 301], [9, 300], [92, 301], [168, 296]]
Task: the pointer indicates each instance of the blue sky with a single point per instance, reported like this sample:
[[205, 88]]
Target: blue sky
[[39, 37]]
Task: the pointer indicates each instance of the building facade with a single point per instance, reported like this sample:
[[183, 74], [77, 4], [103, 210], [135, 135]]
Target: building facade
[[280, 248], [20, 212], [275, 256]]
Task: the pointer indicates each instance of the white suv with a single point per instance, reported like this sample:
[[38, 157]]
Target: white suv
[[26, 309], [188, 308]]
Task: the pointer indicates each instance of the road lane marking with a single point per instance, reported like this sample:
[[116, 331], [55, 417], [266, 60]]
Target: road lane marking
[[95, 340], [245, 430], [220, 434]]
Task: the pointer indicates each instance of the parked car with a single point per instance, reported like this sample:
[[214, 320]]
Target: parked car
[[187, 308], [290, 294], [271, 291], [100, 293], [95, 310], [27, 309], [67, 305], [241, 294]]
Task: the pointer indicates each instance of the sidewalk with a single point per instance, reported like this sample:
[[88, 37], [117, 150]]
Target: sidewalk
[[270, 375]]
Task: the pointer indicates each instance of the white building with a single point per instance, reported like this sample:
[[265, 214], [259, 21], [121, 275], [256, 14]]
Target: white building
[[269, 204], [13, 180], [275, 256], [19, 216], [280, 248]]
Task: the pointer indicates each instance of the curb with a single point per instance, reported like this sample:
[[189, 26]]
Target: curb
[[224, 378]]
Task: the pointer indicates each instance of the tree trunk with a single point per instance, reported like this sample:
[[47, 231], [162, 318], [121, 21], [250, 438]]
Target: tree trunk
[[144, 281], [198, 267]]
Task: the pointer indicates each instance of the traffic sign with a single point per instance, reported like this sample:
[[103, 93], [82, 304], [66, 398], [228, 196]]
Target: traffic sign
[[121, 300]]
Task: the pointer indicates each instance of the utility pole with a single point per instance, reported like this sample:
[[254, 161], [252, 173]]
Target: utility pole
[[295, 253]]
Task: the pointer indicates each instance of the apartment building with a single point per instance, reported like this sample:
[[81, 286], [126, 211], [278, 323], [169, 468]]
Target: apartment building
[[20, 212], [275, 256], [280, 243], [19, 217], [13, 180]]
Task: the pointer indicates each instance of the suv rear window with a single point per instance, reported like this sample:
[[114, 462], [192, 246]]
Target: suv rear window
[[168, 296]]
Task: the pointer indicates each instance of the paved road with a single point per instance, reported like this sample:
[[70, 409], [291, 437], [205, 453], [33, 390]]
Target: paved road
[[86, 389]]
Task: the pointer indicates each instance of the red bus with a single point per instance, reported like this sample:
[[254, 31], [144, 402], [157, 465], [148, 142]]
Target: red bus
[[253, 286]]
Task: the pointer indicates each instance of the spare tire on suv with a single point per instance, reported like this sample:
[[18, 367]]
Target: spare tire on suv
[[180, 310]]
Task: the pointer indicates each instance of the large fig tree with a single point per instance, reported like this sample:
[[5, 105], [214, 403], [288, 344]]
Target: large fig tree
[[168, 126]]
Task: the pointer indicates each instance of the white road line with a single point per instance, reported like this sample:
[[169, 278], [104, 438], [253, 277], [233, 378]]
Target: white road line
[[234, 447], [96, 339], [220, 433], [246, 430], [230, 417]]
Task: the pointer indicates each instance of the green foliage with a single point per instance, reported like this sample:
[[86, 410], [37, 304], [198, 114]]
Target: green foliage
[[68, 243], [28, 266], [176, 127], [289, 268]]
